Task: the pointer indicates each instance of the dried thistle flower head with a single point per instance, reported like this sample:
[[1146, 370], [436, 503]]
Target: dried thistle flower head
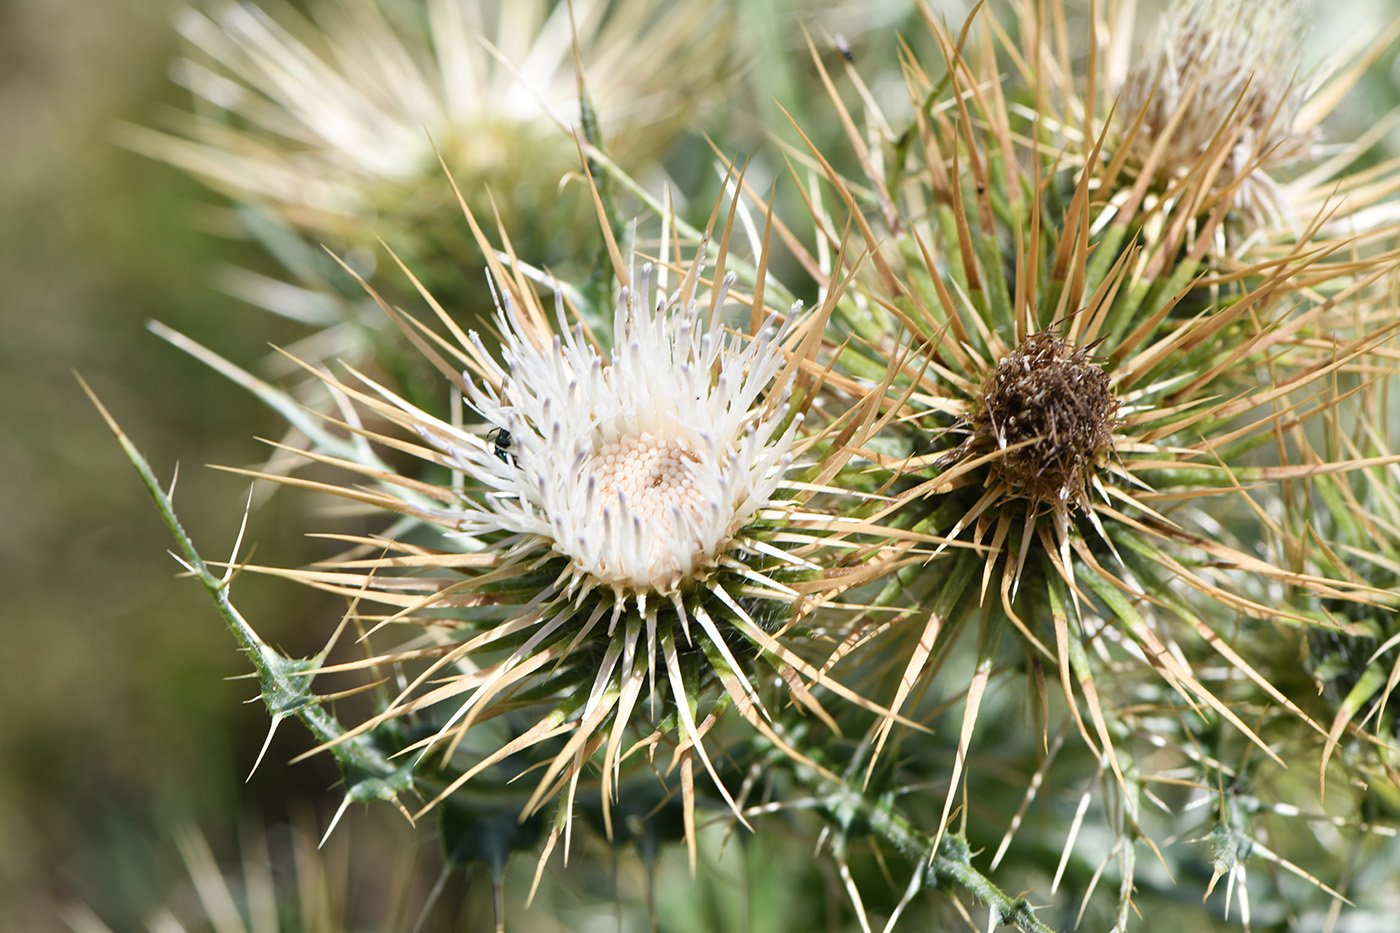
[[1049, 407], [1125, 539], [1221, 70]]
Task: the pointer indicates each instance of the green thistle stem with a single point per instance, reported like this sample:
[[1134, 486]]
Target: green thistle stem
[[285, 682], [846, 804]]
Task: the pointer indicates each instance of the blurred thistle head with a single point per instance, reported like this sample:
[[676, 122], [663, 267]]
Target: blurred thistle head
[[1218, 90], [331, 120]]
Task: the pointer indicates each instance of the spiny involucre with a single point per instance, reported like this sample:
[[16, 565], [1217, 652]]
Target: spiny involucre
[[620, 522]]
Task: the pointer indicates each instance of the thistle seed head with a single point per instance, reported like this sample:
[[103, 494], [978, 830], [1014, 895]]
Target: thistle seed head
[[1054, 399]]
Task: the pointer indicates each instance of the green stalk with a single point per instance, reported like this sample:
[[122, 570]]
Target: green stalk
[[285, 682], [845, 805]]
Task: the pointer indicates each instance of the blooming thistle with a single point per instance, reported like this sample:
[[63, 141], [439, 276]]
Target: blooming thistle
[[618, 522], [639, 469], [1087, 393]]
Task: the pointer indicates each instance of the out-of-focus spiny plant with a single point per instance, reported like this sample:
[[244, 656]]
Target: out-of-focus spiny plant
[[328, 130], [335, 123], [1074, 489]]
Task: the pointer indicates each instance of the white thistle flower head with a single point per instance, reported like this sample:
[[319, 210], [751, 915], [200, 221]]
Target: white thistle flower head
[[621, 518], [1222, 69], [640, 469]]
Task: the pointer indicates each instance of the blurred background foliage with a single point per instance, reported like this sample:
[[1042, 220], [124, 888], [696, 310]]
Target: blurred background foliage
[[121, 732], [119, 720]]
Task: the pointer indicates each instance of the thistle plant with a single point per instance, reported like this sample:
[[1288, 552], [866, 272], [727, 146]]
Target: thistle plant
[[1074, 488], [620, 526], [1085, 368]]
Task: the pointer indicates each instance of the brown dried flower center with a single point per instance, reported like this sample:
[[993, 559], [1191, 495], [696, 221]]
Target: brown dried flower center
[[1053, 398]]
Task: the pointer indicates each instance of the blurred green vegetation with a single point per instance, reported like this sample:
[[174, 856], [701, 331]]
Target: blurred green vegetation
[[118, 720]]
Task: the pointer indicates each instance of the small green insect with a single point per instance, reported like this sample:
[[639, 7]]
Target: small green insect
[[501, 442]]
